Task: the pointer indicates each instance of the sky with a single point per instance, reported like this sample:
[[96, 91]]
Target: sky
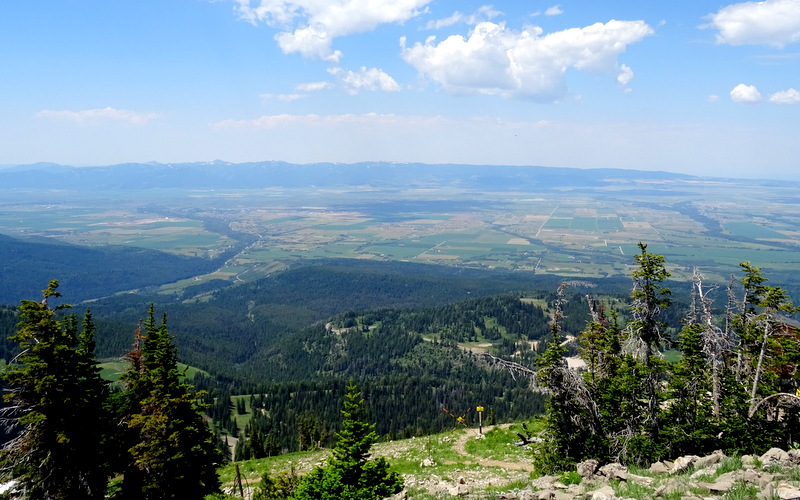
[[700, 87]]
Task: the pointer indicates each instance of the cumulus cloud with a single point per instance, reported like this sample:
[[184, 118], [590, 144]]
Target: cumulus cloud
[[528, 65], [790, 96], [99, 116], [309, 26], [484, 13], [553, 11], [314, 120], [746, 94], [771, 22], [369, 79]]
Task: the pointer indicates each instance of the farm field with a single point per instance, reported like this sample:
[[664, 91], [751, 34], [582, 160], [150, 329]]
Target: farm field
[[574, 233]]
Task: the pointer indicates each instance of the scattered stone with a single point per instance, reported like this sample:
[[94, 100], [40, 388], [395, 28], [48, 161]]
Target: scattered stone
[[544, 482], [403, 495], [683, 463], [633, 478], [613, 471], [766, 493], [714, 458], [459, 490], [669, 486], [659, 468], [428, 462], [788, 492], [587, 468], [707, 471], [604, 493], [774, 456]]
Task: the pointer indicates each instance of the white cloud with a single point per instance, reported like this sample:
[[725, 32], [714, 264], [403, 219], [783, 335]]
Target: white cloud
[[313, 86], [484, 13], [281, 97], [713, 98], [314, 120], [309, 26], [369, 79], [99, 116], [625, 75], [771, 22], [790, 96], [553, 11], [498, 61], [746, 94]]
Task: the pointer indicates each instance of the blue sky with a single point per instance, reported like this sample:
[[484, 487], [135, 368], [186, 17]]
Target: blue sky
[[699, 87]]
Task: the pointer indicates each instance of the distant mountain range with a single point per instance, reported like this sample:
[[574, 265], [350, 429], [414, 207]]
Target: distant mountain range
[[223, 175]]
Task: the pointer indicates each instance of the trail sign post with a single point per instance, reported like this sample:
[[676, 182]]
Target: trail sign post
[[479, 409]]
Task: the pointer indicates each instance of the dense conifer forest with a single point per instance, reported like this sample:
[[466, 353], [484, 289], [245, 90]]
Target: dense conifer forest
[[279, 355]]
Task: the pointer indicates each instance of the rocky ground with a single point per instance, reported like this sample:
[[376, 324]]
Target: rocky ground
[[455, 465], [772, 476]]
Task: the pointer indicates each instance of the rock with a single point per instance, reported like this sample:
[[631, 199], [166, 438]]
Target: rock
[[428, 462], [794, 454], [403, 495], [613, 471], [604, 493], [788, 492], [683, 463], [714, 458], [461, 480], [707, 471], [747, 459], [553, 495], [774, 456], [459, 490], [633, 478], [659, 468], [721, 486], [766, 493], [670, 485], [544, 482], [587, 468]]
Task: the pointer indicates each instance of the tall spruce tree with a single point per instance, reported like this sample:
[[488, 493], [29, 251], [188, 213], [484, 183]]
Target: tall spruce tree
[[57, 399], [350, 474], [171, 449]]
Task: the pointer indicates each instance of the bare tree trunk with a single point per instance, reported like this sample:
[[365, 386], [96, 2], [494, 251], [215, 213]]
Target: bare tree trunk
[[714, 341], [757, 375]]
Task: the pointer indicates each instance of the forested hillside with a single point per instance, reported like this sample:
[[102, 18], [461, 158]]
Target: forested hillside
[[88, 272]]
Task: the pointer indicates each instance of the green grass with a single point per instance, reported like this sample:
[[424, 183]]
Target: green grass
[[499, 444]]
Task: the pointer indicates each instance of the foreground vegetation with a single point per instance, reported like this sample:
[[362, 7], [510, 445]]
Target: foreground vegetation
[[70, 433], [734, 388]]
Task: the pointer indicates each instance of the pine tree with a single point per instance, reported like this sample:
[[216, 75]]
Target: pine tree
[[350, 474], [57, 398], [172, 454]]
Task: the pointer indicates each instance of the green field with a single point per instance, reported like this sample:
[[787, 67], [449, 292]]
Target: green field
[[712, 225]]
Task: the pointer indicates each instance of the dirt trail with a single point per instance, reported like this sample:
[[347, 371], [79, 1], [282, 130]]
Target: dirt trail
[[460, 447]]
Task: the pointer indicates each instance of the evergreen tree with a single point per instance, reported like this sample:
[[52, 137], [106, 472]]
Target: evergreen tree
[[173, 454], [350, 474], [56, 397]]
